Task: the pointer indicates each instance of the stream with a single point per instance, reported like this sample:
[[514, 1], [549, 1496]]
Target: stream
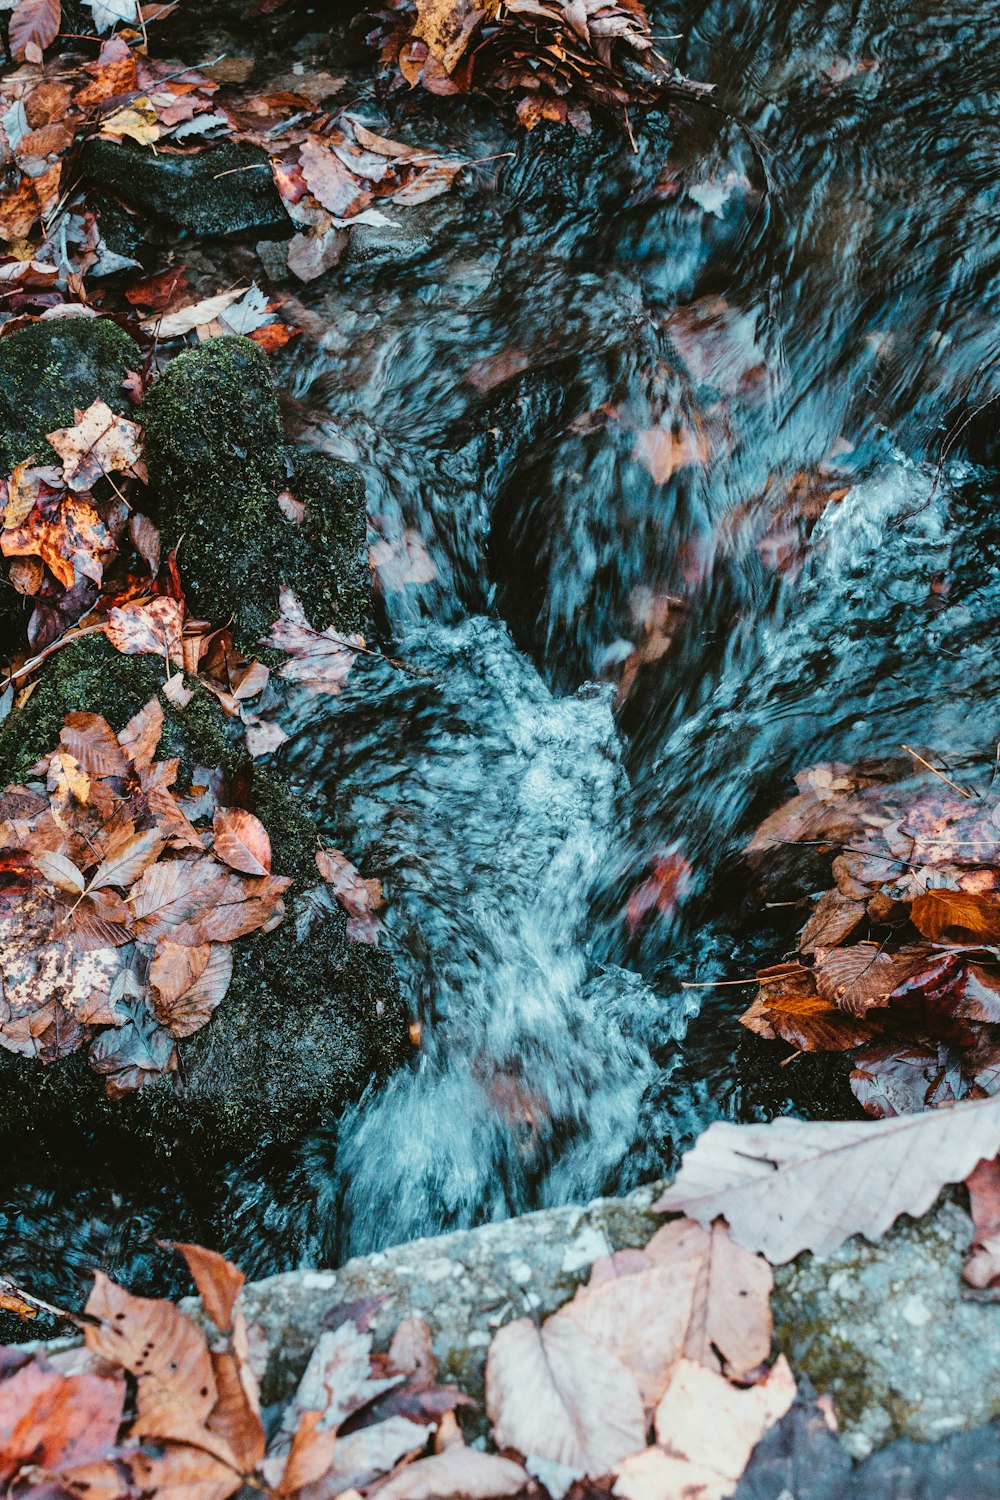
[[790, 292]]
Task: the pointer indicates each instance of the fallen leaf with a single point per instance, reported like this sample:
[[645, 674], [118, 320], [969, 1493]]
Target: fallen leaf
[[982, 1268], [569, 1405], [457, 1471], [360, 898], [663, 451], [175, 325], [99, 443], [188, 983], [320, 659], [55, 1422], [241, 841], [34, 25], [956, 917], [796, 1185]]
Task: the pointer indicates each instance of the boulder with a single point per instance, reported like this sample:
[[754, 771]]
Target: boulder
[[51, 368], [217, 464], [227, 189]]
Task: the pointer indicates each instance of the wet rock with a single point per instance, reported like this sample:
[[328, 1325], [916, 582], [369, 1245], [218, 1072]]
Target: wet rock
[[48, 369], [306, 1025], [885, 1330], [225, 189], [882, 1327], [217, 463]]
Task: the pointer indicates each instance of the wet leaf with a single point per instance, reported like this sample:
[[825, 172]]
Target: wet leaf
[[457, 1471], [67, 534], [34, 25], [126, 861], [188, 983], [62, 872], [320, 659], [132, 1055], [153, 628], [56, 1422], [788, 1006], [835, 917], [956, 917], [865, 977], [797, 1185], [982, 1268], [360, 898]]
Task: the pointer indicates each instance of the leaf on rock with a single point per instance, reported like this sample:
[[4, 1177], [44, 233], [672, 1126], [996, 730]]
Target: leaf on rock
[[241, 841], [957, 917], [153, 628], [167, 1354], [796, 1185], [729, 1324], [865, 977], [93, 744], [68, 535], [141, 735], [788, 1006], [188, 983], [567, 1404], [34, 25], [835, 917], [100, 443], [175, 325], [129, 1056]]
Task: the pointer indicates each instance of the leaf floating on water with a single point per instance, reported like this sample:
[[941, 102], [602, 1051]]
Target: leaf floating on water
[[360, 898], [797, 1185]]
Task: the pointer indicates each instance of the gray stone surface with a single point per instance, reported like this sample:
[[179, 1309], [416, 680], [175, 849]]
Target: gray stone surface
[[885, 1330], [882, 1327]]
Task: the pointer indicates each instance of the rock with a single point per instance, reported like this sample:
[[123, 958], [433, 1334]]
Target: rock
[[885, 1330], [224, 189], [217, 463], [305, 1026], [48, 369], [883, 1327]]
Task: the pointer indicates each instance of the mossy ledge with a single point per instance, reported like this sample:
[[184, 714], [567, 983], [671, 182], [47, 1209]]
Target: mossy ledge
[[218, 462]]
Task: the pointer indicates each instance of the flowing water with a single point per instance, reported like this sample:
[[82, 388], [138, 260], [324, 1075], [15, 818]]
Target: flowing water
[[798, 279]]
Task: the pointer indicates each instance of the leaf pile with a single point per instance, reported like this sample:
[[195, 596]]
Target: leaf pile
[[160, 1405], [65, 515], [117, 913], [900, 958], [330, 168], [550, 59]]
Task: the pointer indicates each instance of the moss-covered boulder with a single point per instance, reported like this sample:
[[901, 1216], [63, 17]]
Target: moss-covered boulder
[[49, 369], [306, 1024], [226, 189], [217, 464]]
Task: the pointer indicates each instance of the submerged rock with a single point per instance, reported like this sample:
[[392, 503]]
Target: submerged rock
[[305, 1026], [48, 370], [224, 189], [217, 464]]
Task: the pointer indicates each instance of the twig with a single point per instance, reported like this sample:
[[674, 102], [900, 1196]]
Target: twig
[[940, 774]]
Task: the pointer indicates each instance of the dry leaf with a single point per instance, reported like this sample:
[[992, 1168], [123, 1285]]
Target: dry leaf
[[797, 1185], [241, 841]]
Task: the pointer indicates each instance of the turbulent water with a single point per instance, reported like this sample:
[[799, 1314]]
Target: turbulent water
[[800, 278]]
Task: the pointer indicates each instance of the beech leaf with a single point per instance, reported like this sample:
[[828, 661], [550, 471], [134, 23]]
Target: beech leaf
[[34, 25], [241, 841], [795, 1185]]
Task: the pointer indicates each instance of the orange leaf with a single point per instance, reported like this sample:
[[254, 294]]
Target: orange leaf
[[241, 841]]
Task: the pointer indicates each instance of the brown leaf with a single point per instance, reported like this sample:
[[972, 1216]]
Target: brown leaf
[[56, 1422], [834, 918], [167, 1354], [62, 872], [241, 841], [152, 628], [309, 1456], [982, 1268], [787, 1006], [710, 1429], [457, 1471], [729, 1327], [68, 535], [642, 1319], [797, 1185], [218, 1281], [93, 744], [183, 1473], [188, 983], [956, 917], [34, 25], [320, 659], [902, 1078], [126, 861], [569, 1405], [412, 1349], [329, 180], [864, 977], [141, 734]]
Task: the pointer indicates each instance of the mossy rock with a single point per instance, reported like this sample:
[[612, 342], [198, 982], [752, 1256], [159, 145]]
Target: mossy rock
[[226, 189], [48, 370], [217, 464], [304, 1028]]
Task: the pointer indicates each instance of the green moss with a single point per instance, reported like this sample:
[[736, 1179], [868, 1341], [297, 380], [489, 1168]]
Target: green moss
[[217, 464], [47, 370], [227, 189]]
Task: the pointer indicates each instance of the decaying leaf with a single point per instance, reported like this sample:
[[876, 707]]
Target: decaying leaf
[[319, 660], [360, 898]]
